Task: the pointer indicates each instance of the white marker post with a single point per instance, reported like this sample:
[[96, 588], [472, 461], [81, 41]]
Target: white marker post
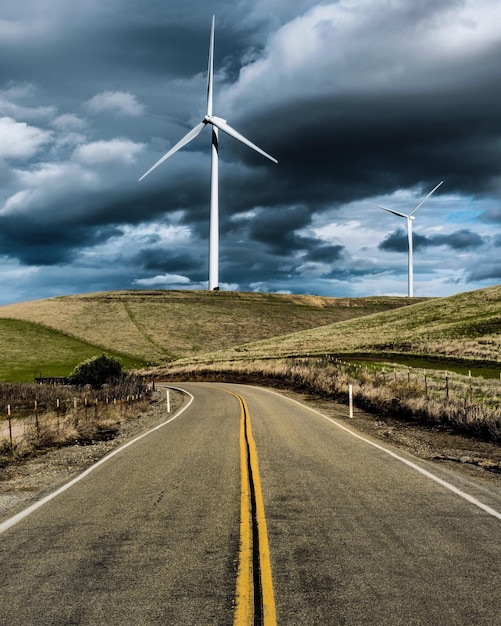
[[350, 393], [168, 400]]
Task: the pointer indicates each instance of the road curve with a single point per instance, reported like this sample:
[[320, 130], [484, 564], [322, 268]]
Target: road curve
[[357, 533]]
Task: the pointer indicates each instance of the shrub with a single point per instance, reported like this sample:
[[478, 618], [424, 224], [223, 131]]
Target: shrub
[[97, 371]]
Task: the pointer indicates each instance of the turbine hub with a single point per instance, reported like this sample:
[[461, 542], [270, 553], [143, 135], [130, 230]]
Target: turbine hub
[[213, 118]]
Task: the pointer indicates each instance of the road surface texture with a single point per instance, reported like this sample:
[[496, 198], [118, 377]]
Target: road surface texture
[[358, 533]]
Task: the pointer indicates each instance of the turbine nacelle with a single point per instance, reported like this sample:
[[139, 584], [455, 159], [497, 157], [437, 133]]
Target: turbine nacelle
[[213, 119]]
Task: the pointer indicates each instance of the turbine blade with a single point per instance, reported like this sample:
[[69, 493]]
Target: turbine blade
[[391, 211], [426, 198], [210, 69], [226, 128], [186, 139]]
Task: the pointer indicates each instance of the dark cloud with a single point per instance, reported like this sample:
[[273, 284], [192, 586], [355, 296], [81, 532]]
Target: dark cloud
[[458, 240], [361, 104], [488, 269], [368, 145], [42, 244], [161, 261], [325, 253], [492, 215], [277, 228]]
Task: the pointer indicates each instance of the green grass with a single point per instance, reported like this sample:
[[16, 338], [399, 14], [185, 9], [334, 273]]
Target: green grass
[[27, 348], [484, 369]]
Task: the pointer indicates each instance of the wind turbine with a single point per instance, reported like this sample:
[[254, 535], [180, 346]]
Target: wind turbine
[[216, 123], [409, 217]]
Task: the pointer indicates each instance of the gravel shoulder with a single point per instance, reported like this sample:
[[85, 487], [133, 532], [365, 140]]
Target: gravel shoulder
[[25, 482], [476, 458]]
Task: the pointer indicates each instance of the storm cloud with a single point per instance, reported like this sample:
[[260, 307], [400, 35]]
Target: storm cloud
[[459, 240], [362, 103]]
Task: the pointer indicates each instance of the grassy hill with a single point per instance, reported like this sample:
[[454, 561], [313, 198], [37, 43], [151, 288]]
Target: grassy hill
[[465, 327], [29, 348], [158, 326]]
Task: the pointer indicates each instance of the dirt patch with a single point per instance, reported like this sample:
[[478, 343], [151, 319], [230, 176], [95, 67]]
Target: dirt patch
[[23, 483]]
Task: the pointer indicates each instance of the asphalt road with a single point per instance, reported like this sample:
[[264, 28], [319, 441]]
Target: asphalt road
[[356, 535]]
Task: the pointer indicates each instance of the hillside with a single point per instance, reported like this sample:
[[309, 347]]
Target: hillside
[[159, 326], [29, 348], [465, 326]]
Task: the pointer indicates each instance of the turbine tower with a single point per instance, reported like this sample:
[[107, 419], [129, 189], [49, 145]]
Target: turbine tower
[[409, 217], [216, 124]]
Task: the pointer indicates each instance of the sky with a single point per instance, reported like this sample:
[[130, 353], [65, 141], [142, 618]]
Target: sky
[[363, 103]]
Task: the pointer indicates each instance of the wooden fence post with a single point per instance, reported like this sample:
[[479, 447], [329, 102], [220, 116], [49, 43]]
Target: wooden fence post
[[10, 428], [37, 425]]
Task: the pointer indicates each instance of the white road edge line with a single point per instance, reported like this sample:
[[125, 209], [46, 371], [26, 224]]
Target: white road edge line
[[419, 469], [11, 521]]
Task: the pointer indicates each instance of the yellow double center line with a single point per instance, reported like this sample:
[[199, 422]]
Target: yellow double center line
[[255, 602]]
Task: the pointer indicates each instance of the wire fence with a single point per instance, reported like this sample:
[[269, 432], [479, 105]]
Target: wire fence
[[35, 415], [433, 384]]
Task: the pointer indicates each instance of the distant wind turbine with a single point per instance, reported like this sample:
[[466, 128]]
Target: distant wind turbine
[[217, 123], [409, 219]]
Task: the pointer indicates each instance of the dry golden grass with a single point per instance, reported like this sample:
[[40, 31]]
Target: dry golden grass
[[466, 326], [64, 416], [161, 325]]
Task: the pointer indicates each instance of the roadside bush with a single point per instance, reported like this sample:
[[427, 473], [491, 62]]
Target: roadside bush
[[97, 371]]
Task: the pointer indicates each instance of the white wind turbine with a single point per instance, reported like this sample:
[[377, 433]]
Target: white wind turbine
[[409, 219], [217, 123]]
